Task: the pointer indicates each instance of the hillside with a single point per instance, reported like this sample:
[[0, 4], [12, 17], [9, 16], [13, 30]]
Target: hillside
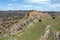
[[33, 27]]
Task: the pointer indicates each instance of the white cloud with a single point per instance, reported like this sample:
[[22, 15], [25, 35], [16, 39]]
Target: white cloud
[[14, 0], [54, 6], [38, 1], [10, 4], [8, 8], [0, 7], [22, 6], [27, 5]]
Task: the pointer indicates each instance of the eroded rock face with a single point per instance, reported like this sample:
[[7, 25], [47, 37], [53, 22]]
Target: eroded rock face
[[22, 24], [15, 27], [5, 27], [2, 31], [57, 35]]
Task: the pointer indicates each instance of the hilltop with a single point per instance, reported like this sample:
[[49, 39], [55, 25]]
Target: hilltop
[[31, 26]]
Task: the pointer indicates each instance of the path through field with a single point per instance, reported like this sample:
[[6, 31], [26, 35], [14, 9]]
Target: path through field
[[46, 33]]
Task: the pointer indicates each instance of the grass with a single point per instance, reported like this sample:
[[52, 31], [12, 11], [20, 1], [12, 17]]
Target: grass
[[34, 32]]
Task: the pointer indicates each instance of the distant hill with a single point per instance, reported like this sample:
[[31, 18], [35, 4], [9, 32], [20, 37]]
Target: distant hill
[[21, 13]]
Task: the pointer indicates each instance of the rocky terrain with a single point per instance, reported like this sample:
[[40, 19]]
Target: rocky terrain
[[16, 23]]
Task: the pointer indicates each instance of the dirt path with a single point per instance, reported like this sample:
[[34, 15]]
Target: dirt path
[[46, 33], [42, 38]]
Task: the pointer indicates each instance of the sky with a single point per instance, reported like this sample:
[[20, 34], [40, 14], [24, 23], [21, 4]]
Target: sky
[[41, 5]]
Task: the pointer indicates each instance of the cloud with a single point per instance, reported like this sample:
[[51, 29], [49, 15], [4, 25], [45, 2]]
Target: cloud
[[14, 0], [8, 8], [43, 5], [0, 7], [39, 1], [9, 4], [25, 6], [55, 5], [21, 7]]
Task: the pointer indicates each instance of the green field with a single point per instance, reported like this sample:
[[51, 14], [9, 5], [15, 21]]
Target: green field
[[35, 30]]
